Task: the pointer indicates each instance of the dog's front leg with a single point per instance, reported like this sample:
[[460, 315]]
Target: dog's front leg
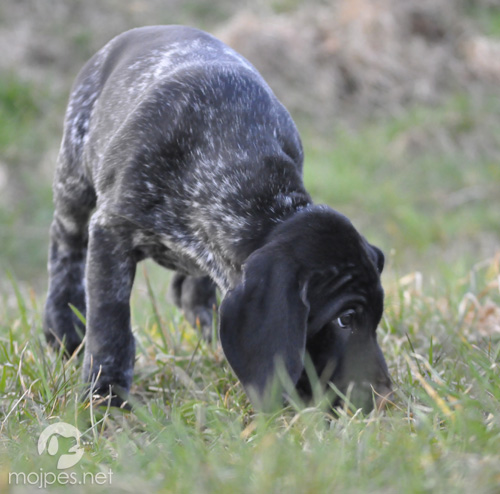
[[110, 346]]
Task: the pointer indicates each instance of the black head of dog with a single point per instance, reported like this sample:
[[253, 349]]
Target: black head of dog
[[312, 290]]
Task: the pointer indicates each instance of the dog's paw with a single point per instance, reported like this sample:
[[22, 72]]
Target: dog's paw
[[109, 396]]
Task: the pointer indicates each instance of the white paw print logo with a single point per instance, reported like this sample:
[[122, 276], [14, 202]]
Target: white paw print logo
[[48, 442]]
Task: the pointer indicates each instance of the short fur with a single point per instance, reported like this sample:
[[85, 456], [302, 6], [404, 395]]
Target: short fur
[[175, 148]]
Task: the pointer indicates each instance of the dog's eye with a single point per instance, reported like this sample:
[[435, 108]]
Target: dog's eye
[[345, 320]]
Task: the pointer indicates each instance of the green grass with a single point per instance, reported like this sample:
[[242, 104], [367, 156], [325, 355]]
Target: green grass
[[18, 110], [193, 430], [26, 134], [487, 18], [418, 185]]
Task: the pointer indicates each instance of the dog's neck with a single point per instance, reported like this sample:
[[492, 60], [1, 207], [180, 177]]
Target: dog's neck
[[245, 238]]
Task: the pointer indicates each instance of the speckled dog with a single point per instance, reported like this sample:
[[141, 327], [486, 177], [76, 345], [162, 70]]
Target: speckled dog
[[175, 149]]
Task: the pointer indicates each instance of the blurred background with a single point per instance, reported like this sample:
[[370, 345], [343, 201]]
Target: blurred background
[[397, 102]]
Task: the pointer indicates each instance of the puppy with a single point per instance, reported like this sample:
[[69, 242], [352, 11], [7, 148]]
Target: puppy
[[176, 149]]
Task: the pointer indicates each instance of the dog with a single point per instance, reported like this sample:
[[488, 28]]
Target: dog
[[175, 148]]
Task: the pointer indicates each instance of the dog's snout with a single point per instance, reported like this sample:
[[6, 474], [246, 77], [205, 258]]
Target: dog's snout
[[366, 395], [383, 396]]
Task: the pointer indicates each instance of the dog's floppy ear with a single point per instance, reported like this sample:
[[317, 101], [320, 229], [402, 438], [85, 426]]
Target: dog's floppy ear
[[263, 322], [378, 257]]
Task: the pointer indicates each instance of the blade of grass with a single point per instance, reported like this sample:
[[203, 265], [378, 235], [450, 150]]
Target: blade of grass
[[164, 334]]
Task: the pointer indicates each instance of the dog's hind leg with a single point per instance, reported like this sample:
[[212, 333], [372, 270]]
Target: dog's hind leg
[[196, 297], [74, 199]]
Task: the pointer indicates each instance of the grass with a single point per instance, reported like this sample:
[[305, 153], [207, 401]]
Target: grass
[[488, 18], [18, 110], [417, 184], [193, 430], [26, 134]]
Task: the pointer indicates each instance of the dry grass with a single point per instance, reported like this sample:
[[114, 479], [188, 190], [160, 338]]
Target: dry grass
[[352, 59]]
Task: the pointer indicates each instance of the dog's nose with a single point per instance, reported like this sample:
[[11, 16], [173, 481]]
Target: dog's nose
[[383, 397]]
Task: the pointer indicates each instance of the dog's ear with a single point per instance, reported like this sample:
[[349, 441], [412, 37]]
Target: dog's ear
[[377, 257], [263, 322]]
